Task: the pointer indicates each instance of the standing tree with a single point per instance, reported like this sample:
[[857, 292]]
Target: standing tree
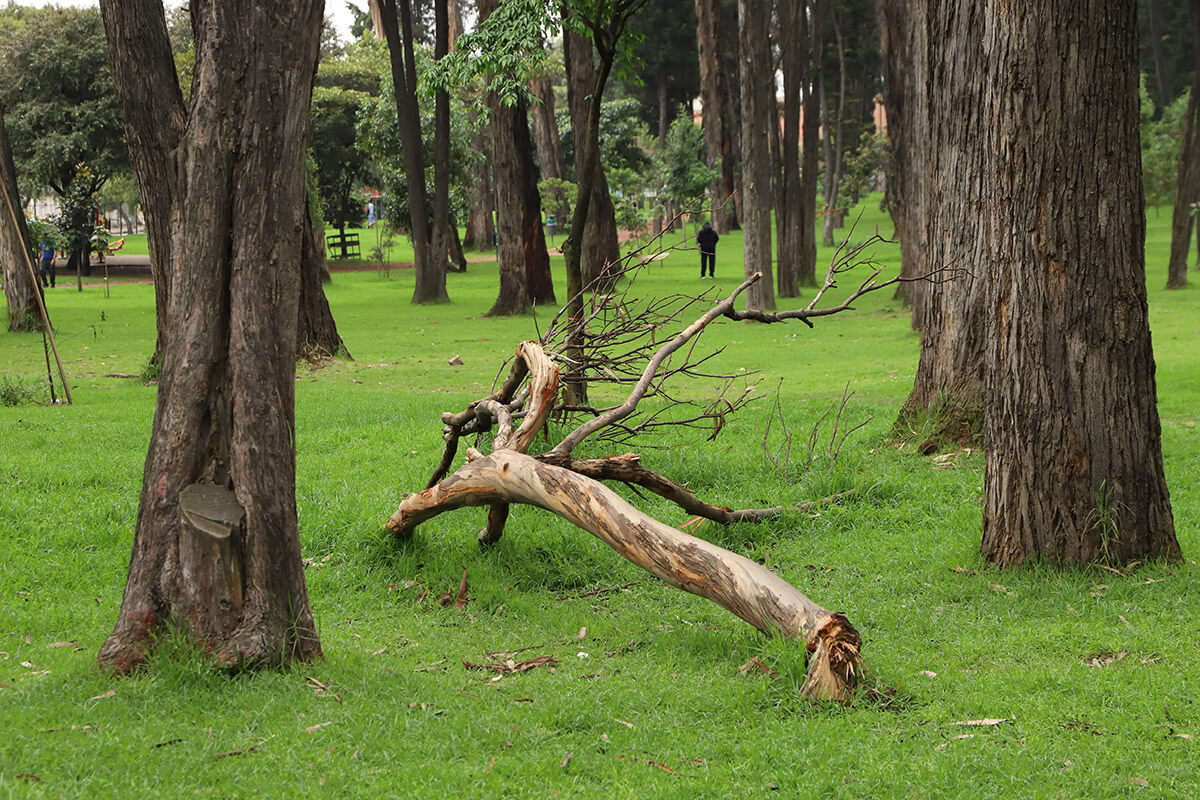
[[793, 214], [719, 133], [20, 288], [430, 265], [216, 549], [1187, 185], [758, 112], [1074, 464], [949, 160]]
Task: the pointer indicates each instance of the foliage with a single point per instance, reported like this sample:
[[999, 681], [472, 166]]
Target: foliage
[[621, 135], [59, 101], [871, 159], [378, 135], [77, 215], [1160, 147], [44, 230], [662, 48], [557, 194], [17, 391], [344, 88], [685, 176]]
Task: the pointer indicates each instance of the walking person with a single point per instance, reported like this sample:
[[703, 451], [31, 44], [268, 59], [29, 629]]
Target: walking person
[[46, 263], [707, 239]]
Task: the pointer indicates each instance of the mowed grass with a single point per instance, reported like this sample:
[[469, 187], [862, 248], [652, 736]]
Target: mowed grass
[[1095, 675]]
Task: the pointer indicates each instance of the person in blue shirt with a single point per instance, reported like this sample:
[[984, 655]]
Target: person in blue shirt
[[46, 263]]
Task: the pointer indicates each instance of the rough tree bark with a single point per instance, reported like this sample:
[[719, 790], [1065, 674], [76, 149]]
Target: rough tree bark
[[948, 388], [600, 248], [831, 124], [216, 550], [20, 288], [524, 260], [718, 134], [790, 208], [481, 227], [902, 25], [810, 150], [546, 135], [439, 235], [1187, 184], [1074, 469], [758, 112]]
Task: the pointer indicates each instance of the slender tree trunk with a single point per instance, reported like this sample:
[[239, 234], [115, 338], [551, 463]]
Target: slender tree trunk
[[430, 284], [1074, 470], [905, 84], [948, 390], [599, 248], [718, 136], [216, 550], [20, 288], [434, 288], [834, 146], [806, 273], [1187, 185], [758, 101], [789, 211]]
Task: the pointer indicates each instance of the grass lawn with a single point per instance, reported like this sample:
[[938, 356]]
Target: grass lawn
[[1095, 675]]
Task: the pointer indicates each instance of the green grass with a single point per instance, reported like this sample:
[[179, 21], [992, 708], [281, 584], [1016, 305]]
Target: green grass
[[650, 703]]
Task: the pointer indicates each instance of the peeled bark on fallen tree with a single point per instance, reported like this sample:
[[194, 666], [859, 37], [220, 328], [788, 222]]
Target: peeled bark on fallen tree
[[747, 589]]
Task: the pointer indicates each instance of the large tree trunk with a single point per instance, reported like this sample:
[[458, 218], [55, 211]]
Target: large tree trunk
[[430, 284], [481, 227], [600, 249], [789, 209], [806, 273], [758, 112], [439, 243], [831, 125], [514, 295], [1074, 465], [718, 136], [316, 332], [1187, 184], [902, 24], [20, 287], [546, 135], [948, 388], [216, 550]]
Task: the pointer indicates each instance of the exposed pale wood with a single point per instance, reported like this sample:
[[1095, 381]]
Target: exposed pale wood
[[745, 588]]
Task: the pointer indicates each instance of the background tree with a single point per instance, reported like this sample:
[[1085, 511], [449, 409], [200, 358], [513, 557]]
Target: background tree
[[758, 112], [61, 111], [1167, 47], [663, 45], [1187, 191], [684, 175], [1074, 464], [430, 267], [719, 129], [216, 549], [20, 288], [793, 214]]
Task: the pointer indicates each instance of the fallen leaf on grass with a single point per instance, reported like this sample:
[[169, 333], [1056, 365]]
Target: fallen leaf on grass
[[648, 763], [927, 673], [985, 722], [168, 743], [1126, 622], [318, 726], [623, 722], [995, 587], [944, 745], [438, 666], [1145, 784], [109, 693], [241, 751], [755, 664], [1187, 736], [29, 777], [322, 690], [1104, 659], [963, 571], [62, 644], [437, 712], [510, 667], [566, 760]]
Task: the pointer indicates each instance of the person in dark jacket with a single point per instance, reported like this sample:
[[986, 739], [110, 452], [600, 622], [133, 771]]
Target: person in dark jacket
[[707, 239]]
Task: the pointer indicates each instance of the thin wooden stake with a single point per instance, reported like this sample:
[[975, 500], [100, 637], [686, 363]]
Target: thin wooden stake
[[47, 331]]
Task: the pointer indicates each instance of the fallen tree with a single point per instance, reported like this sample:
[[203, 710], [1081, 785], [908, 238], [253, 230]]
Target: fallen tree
[[519, 410]]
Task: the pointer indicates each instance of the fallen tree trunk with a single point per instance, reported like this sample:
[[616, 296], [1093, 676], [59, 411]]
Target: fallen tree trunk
[[747, 589]]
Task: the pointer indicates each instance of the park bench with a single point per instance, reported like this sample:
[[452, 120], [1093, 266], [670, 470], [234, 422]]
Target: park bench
[[343, 245]]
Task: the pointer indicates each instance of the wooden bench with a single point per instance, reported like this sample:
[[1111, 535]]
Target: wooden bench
[[338, 245]]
